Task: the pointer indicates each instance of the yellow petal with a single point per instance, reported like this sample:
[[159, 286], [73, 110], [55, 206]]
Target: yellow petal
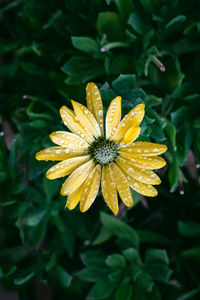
[[56, 153], [71, 121], [142, 188], [131, 135], [121, 183], [69, 140], [87, 119], [66, 167], [142, 175], [74, 198], [94, 103], [145, 149], [91, 188], [145, 162], [76, 178], [113, 116], [109, 191], [132, 119]]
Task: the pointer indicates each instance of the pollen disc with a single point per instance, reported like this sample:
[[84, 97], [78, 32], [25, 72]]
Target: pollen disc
[[103, 151]]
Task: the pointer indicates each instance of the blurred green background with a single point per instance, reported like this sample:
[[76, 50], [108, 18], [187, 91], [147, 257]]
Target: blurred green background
[[49, 50]]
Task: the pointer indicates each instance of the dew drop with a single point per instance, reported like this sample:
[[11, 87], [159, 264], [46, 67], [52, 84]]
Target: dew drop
[[100, 113]]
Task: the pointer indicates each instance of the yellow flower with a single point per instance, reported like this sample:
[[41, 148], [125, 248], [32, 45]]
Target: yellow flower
[[115, 159]]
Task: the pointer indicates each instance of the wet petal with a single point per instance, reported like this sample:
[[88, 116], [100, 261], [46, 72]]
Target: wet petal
[[121, 183], [132, 119], [94, 103], [87, 119], [113, 116], [74, 198], [76, 178], [71, 121], [91, 188], [56, 153], [131, 135], [143, 175], [66, 167], [142, 188], [144, 149], [145, 162], [109, 191], [69, 140]]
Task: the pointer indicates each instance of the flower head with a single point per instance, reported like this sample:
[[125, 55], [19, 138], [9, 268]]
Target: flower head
[[113, 159]]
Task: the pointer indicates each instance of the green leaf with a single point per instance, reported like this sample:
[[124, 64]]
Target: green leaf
[[82, 69], [176, 20], [125, 85], [145, 281], [116, 275], [125, 7], [88, 275], [171, 132], [132, 255], [158, 272], [94, 259], [148, 236], [85, 44], [150, 6], [50, 188], [119, 228], [192, 254], [22, 280], [125, 291], [33, 219], [7, 46], [102, 237], [173, 75], [156, 256], [102, 289], [188, 295], [189, 229], [136, 23], [62, 276], [110, 24], [152, 100], [115, 261], [174, 173]]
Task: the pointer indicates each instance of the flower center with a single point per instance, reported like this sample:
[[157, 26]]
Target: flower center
[[103, 151]]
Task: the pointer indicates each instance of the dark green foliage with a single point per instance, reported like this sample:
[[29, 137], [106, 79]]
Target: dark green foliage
[[49, 50]]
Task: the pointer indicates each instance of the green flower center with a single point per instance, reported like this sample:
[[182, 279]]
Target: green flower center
[[103, 151]]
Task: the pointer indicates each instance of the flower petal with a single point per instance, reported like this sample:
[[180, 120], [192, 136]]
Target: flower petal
[[142, 175], [109, 191], [142, 188], [77, 178], [131, 135], [113, 116], [132, 119], [94, 103], [69, 140], [87, 119], [145, 162], [66, 167], [144, 149], [121, 183], [74, 198], [56, 153], [91, 188], [71, 121]]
